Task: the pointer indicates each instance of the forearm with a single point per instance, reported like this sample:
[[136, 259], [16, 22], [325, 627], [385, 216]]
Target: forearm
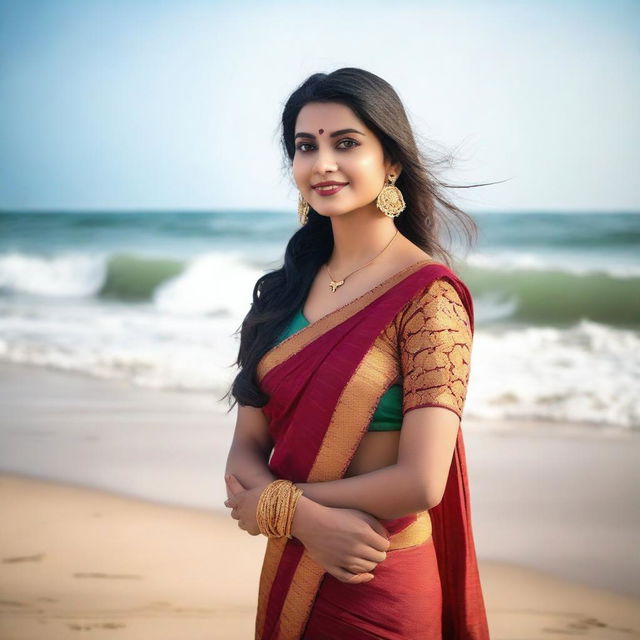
[[249, 465], [387, 493]]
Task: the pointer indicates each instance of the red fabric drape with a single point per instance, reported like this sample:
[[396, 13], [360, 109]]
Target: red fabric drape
[[424, 592]]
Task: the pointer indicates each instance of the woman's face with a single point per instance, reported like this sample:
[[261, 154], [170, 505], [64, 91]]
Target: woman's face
[[323, 154]]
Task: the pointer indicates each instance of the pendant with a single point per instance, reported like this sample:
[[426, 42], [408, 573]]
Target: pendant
[[334, 285]]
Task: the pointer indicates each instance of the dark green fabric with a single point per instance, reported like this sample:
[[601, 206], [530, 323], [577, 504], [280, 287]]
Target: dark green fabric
[[388, 414]]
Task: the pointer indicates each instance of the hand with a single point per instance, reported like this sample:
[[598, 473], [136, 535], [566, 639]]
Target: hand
[[347, 543], [244, 504]]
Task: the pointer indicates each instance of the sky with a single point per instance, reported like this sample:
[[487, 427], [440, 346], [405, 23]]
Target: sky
[[176, 105]]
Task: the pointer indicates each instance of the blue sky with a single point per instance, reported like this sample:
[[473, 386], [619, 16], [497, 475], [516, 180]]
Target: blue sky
[[162, 105]]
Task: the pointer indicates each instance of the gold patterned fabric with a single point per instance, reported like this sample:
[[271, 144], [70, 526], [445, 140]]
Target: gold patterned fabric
[[434, 339]]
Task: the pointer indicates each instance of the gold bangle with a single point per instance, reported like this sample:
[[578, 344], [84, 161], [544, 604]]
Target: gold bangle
[[276, 508]]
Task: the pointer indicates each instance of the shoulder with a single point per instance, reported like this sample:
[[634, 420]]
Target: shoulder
[[436, 315], [442, 304]]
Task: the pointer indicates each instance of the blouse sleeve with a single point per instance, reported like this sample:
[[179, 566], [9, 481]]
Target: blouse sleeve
[[435, 349]]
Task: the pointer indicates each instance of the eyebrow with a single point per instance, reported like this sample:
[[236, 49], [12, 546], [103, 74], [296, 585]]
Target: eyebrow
[[302, 134]]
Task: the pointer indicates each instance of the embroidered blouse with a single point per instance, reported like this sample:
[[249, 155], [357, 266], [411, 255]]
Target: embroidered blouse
[[428, 344]]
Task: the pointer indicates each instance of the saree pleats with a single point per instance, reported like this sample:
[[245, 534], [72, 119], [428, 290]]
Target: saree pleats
[[325, 382]]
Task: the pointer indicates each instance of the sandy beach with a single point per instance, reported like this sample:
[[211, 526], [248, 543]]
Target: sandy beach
[[113, 524]]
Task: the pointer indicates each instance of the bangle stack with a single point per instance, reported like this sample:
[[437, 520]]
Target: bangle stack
[[276, 507]]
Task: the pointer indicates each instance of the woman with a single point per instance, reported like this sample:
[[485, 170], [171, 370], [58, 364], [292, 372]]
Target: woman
[[355, 360]]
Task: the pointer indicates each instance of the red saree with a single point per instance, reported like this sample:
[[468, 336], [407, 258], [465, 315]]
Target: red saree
[[324, 386]]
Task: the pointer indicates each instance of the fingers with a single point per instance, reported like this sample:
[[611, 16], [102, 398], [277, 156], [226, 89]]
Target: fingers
[[365, 553], [348, 577], [377, 526], [245, 527], [376, 535], [381, 531], [378, 541], [360, 566], [234, 484], [377, 544]]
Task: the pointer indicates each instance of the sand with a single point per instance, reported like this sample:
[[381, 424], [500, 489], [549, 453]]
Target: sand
[[113, 524]]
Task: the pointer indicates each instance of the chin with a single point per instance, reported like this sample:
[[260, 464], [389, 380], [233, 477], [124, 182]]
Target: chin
[[335, 208], [328, 212]]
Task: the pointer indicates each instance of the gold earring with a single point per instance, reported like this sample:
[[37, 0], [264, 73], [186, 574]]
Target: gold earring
[[303, 209], [390, 200]]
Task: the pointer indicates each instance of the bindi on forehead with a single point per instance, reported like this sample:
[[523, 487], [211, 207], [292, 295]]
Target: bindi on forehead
[[320, 131]]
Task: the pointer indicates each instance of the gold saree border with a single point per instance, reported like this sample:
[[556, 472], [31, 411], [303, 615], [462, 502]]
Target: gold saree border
[[272, 556], [301, 338], [416, 533], [300, 598], [349, 421]]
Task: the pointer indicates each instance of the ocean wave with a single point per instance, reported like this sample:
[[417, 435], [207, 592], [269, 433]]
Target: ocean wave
[[583, 373], [210, 284], [222, 283], [587, 373], [66, 275], [132, 277], [553, 296]]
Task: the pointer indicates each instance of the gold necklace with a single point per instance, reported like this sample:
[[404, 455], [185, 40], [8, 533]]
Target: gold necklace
[[334, 284]]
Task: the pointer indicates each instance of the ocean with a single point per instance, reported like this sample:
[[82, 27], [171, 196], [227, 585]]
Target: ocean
[[154, 298]]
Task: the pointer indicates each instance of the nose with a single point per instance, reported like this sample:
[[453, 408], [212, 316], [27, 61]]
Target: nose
[[324, 161]]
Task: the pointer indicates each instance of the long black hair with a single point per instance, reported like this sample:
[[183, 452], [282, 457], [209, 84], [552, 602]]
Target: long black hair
[[278, 294]]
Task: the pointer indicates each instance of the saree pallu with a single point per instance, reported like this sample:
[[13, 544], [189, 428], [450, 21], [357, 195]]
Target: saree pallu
[[324, 387]]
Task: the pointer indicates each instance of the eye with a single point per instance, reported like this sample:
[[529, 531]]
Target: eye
[[354, 143]]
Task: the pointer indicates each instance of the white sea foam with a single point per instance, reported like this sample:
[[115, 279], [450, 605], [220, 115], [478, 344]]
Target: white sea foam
[[140, 345], [581, 374], [66, 274], [213, 283]]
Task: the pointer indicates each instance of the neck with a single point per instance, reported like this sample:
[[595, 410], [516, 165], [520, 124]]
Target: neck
[[358, 238]]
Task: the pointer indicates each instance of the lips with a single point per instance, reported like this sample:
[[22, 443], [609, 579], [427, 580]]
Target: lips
[[329, 190], [328, 183]]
